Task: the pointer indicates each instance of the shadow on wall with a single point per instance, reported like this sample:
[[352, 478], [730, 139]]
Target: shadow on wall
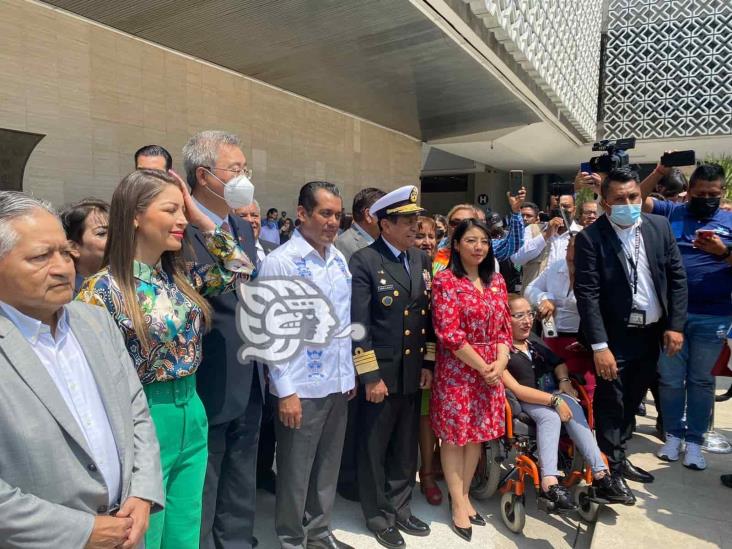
[[15, 149]]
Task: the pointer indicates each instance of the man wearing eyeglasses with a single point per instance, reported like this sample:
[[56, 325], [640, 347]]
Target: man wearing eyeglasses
[[231, 392], [588, 213]]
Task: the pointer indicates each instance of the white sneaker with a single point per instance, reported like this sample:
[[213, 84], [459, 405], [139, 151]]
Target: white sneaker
[[693, 458], [671, 448]]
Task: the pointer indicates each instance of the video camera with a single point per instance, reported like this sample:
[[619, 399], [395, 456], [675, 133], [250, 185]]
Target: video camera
[[615, 156]]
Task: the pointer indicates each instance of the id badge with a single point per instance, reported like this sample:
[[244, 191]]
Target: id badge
[[637, 318]]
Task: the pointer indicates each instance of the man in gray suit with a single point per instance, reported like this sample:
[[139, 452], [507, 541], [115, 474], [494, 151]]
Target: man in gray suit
[[79, 459], [363, 231], [365, 228]]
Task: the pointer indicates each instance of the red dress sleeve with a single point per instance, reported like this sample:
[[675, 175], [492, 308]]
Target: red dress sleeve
[[446, 312]]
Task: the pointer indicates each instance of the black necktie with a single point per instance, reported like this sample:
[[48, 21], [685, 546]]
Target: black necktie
[[403, 260]]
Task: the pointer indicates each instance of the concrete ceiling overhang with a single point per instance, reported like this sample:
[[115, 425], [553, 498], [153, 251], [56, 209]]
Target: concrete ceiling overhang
[[540, 148], [383, 60]]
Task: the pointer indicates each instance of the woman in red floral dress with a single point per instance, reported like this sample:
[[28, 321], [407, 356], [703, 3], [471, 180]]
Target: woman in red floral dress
[[473, 327]]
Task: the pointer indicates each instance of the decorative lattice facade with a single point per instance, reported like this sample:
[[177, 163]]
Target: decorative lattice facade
[[668, 68], [557, 42]]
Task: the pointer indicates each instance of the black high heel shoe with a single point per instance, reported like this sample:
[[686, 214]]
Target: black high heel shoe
[[465, 533], [477, 519]]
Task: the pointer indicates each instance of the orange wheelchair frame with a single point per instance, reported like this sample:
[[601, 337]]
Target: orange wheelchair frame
[[513, 485]]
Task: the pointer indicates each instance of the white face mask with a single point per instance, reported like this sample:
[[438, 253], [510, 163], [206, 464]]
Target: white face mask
[[238, 192]]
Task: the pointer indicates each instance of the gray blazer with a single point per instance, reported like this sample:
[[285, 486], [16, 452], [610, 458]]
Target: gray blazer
[[50, 490], [349, 242]]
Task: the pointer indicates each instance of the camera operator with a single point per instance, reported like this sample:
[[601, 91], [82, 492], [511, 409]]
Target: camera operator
[[542, 247], [704, 235]]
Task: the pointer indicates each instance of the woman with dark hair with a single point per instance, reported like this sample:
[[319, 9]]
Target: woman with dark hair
[[473, 327], [428, 446], [440, 228], [85, 223], [286, 230], [157, 300]]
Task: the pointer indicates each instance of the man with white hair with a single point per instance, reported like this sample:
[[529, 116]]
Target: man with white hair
[[80, 462], [253, 214], [217, 171]]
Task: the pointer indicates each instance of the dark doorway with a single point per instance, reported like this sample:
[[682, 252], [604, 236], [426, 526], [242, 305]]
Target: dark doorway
[[15, 149]]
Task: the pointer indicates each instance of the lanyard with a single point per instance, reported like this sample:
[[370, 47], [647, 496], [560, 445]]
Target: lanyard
[[631, 262]]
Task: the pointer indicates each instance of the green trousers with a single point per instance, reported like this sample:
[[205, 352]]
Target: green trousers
[[182, 429]]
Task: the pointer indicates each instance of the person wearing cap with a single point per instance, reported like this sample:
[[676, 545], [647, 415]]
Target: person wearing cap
[[391, 300]]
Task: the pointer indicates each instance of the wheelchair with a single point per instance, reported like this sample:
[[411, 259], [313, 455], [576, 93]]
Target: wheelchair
[[495, 471]]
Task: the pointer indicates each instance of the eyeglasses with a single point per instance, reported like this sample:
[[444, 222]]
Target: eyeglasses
[[455, 222], [241, 171], [520, 316]]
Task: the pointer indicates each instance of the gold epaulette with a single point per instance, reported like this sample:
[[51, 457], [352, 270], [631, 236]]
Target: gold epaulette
[[364, 361], [431, 351]]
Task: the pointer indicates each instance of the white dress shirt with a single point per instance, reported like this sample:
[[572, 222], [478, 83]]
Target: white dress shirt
[[645, 299], [64, 360], [553, 284], [533, 246], [317, 371], [397, 252], [261, 254], [216, 218]]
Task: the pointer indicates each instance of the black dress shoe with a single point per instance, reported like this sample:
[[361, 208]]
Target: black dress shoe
[[608, 490], [391, 538], [641, 411], [632, 472], [328, 542], [477, 519], [726, 480], [255, 542], [465, 533], [622, 486], [560, 497], [413, 526]]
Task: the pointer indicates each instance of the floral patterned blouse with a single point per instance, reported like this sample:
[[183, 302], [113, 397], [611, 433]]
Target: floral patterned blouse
[[174, 321]]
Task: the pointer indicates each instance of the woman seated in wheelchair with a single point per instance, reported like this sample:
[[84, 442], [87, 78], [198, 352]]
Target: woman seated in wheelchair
[[539, 380]]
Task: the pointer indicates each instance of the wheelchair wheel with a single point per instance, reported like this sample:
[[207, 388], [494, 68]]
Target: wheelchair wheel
[[586, 508], [513, 512], [485, 482]]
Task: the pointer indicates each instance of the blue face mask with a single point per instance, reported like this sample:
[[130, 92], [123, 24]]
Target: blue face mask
[[625, 215]]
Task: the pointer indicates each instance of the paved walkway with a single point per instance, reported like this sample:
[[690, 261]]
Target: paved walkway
[[682, 508]]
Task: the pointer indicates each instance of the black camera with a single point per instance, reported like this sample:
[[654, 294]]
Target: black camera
[[615, 156]]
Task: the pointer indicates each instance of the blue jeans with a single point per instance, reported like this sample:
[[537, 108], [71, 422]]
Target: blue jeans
[[686, 382]]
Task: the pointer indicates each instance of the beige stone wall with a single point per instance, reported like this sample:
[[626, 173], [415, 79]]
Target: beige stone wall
[[99, 95]]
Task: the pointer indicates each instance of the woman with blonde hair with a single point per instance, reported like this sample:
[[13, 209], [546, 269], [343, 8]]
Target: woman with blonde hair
[[156, 299]]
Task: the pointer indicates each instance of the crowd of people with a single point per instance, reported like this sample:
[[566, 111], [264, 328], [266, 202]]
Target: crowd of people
[[120, 349]]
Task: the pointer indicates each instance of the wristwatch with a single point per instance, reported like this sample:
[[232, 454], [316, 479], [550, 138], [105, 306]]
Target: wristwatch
[[726, 254]]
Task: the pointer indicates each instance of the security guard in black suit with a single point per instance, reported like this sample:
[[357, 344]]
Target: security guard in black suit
[[391, 299]]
